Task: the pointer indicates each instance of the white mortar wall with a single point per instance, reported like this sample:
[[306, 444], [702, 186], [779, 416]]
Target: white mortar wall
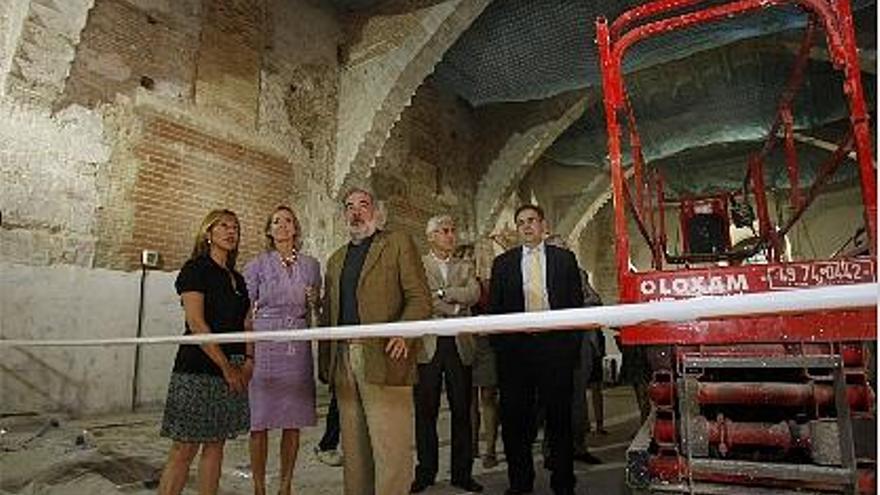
[[163, 315], [12, 16], [70, 302], [48, 188]]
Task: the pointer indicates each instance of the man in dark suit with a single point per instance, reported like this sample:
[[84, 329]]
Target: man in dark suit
[[535, 368]]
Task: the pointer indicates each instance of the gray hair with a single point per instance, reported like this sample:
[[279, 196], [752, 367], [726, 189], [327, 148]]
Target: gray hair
[[363, 189], [437, 220]]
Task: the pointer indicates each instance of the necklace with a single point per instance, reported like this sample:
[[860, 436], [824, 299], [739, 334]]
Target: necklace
[[287, 261]]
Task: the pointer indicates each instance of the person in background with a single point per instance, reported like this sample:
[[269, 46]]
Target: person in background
[[327, 450], [636, 371], [485, 382], [446, 359], [536, 368], [282, 283], [377, 277], [594, 382], [207, 400]]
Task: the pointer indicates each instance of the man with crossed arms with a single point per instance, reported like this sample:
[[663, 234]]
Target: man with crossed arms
[[454, 289]]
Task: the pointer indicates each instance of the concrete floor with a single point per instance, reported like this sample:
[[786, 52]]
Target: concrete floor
[[121, 454]]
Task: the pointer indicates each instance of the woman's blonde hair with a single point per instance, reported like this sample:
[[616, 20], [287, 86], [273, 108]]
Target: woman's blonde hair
[[202, 247], [297, 236]]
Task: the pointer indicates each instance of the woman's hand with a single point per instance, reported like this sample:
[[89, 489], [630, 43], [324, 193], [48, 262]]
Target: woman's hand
[[234, 379], [311, 296], [247, 370], [396, 348]]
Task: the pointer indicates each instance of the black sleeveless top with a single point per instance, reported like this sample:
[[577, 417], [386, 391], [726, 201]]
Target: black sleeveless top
[[225, 310]]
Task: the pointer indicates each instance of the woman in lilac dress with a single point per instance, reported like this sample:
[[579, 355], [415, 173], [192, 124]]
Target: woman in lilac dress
[[281, 282]]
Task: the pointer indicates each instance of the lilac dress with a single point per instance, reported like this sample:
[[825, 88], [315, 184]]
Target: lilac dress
[[282, 390]]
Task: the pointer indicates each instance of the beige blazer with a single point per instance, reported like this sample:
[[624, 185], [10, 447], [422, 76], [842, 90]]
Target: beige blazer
[[461, 288], [391, 288]]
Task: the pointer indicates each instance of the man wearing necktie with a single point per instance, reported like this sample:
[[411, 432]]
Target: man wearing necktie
[[535, 368]]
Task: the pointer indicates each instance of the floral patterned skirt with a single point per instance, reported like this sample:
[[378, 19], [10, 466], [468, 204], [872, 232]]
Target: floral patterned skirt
[[202, 408]]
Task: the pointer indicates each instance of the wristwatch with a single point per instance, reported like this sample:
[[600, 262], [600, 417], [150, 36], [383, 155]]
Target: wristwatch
[[441, 293]]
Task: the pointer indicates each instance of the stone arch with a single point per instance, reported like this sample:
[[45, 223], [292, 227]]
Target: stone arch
[[384, 66], [518, 134]]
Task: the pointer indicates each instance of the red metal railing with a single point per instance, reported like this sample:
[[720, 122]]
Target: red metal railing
[[643, 22]]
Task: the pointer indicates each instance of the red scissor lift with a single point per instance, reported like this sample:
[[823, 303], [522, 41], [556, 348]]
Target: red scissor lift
[[750, 404]]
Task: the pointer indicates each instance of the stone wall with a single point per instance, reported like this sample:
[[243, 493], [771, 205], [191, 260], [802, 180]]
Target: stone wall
[[145, 118], [48, 191], [424, 167], [151, 112], [385, 58]]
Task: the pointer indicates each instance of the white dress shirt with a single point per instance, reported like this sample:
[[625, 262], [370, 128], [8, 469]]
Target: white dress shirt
[[443, 264]]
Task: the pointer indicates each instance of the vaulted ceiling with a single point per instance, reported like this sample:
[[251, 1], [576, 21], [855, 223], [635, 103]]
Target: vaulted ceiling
[[706, 94]]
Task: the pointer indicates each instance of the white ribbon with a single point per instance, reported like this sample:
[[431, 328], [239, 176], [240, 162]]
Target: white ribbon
[[708, 307]]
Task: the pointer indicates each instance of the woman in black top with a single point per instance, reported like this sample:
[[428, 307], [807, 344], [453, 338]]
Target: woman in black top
[[207, 397]]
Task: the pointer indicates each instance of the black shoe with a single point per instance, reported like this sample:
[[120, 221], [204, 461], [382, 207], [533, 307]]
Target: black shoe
[[517, 491], [468, 485], [419, 486], [587, 458]]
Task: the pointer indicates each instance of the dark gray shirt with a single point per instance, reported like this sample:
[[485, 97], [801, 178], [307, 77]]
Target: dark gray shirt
[[348, 281]]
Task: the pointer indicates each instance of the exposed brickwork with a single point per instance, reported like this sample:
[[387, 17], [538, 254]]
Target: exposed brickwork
[[229, 61], [183, 172], [125, 46]]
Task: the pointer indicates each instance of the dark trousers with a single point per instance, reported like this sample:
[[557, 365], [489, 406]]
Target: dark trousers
[[330, 440], [529, 379], [445, 366]]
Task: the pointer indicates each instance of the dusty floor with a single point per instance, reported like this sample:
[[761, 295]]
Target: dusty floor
[[123, 454]]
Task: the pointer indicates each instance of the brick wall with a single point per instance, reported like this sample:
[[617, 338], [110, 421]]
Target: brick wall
[[230, 57], [124, 46], [182, 172]]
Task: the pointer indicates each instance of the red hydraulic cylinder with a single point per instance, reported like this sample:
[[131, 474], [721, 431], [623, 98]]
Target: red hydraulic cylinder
[[727, 434], [765, 393]]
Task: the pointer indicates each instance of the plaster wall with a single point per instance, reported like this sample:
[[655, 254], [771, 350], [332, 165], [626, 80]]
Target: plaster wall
[[71, 302]]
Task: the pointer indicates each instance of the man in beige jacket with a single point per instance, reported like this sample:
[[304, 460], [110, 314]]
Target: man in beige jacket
[[375, 278], [454, 289]]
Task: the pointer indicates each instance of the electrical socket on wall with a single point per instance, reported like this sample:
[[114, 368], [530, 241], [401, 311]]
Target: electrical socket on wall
[[149, 258]]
